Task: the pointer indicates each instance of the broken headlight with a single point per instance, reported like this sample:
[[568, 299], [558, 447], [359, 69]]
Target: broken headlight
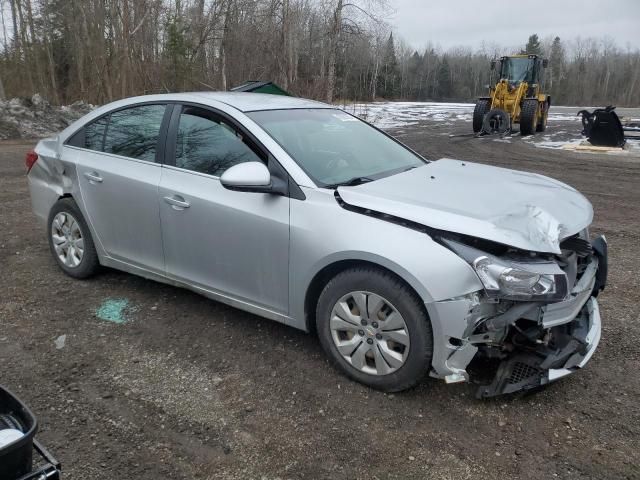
[[517, 279], [511, 281]]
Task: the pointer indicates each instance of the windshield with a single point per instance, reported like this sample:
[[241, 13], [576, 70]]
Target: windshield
[[517, 70], [333, 147]]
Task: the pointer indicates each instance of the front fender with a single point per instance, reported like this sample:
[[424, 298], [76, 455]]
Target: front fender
[[433, 271]]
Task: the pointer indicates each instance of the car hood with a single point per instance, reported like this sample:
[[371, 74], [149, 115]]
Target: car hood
[[520, 209]]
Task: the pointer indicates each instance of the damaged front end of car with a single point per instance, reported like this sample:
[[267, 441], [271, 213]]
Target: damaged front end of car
[[536, 320]]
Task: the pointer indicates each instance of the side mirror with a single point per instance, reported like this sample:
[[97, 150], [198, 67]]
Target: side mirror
[[545, 63], [493, 64], [247, 177]]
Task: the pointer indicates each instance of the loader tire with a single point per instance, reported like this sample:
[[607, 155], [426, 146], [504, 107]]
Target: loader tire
[[542, 122], [496, 121], [482, 107], [528, 116]]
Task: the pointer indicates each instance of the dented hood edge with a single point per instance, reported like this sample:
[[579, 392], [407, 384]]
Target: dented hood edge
[[525, 226]]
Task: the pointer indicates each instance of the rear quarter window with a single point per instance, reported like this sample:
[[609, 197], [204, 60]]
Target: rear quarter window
[[91, 136], [94, 134]]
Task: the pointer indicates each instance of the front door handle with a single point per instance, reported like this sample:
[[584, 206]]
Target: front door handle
[[93, 177], [177, 202]]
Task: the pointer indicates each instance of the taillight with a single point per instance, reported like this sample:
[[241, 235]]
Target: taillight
[[30, 160]]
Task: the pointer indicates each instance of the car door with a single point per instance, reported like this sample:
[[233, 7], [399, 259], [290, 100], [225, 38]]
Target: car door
[[118, 177], [234, 244]]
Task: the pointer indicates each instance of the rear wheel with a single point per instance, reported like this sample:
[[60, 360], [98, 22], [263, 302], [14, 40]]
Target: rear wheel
[[375, 329], [482, 107], [542, 122], [70, 240], [528, 116]]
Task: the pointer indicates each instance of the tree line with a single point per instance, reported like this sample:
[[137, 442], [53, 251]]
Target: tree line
[[102, 50]]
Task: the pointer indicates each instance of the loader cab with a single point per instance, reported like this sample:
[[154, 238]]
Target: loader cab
[[521, 68]]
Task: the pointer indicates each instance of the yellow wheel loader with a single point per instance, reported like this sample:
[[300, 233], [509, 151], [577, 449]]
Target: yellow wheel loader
[[516, 98]]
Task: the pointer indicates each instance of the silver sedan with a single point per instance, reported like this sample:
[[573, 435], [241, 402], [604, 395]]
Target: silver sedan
[[299, 212]]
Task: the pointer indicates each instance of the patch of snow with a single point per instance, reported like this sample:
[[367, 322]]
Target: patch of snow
[[546, 143], [36, 118], [563, 117], [401, 114]]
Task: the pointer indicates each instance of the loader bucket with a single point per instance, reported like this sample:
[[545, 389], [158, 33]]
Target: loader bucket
[[602, 127]]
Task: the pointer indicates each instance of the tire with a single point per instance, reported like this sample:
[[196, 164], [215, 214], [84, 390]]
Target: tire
[[496, 121], [528, 116], [482, 107], [416, 338], [542, 123], [75, 261]]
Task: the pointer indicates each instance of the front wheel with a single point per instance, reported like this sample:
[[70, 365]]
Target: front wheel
[[70, 240], [482, 107], [375, 329]]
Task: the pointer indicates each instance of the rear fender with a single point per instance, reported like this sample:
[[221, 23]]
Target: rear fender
[[49, 178], [52, 178]]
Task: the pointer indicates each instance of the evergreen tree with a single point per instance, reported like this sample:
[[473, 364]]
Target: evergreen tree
[[389, 80], [533, 46], [444, 79], [556, 65], [176, 51], [413, 70]]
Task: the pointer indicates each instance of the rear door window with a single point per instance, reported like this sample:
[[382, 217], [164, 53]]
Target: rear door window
[[134, 132]]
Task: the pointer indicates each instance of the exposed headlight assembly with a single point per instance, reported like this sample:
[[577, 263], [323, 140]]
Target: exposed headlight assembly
[[521, 280]]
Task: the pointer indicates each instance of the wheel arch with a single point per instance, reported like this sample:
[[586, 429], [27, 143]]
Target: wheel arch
[[76, 196], [326, 273]]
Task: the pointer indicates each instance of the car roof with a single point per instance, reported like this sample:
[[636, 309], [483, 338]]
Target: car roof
[[243, 101]]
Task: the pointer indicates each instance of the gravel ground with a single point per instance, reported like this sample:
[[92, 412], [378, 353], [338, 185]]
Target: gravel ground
[[191, 389]]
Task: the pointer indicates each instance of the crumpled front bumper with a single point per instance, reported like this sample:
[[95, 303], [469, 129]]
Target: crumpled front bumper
[[530, 370], [579, 360], [575, 323]]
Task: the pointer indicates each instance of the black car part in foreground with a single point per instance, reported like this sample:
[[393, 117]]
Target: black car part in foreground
[[16, 457]]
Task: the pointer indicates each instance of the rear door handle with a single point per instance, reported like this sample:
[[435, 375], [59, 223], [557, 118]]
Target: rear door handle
[[177, 202], [93, 177]]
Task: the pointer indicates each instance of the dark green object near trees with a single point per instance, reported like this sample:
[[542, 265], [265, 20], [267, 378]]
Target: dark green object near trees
[[261, 87]]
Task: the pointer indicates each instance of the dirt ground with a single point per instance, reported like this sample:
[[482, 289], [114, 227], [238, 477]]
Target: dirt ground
[[192, 389]]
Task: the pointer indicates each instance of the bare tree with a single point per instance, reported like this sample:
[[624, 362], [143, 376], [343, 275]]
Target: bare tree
[[101, 50]]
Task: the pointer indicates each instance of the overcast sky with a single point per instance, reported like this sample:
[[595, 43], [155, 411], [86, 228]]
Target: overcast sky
[[468, 22]]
